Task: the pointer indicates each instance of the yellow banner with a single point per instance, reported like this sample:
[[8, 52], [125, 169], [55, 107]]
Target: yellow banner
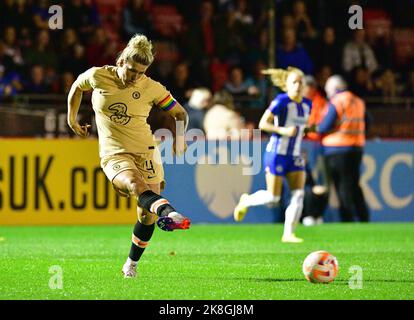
[[56, 182]]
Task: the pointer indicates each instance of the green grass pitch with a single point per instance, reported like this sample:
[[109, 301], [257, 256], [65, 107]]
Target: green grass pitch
[[243, 261]]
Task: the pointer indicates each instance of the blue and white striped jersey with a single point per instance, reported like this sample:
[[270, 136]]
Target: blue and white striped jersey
[[288, 113]]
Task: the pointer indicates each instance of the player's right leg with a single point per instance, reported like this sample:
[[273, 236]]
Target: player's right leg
[[141, 237], [296, 181]]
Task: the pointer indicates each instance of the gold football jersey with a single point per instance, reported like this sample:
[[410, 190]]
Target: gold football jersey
[[121, 113]]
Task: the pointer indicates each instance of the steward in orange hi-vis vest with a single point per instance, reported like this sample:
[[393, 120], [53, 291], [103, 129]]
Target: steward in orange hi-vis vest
[[343, 141], [349, 128]]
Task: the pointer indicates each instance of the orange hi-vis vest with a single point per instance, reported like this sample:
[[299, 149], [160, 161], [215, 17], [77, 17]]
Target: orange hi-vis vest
[[350, 125], [319, 110]]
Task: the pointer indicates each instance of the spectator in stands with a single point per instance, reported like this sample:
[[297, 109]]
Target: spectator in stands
[[221, 121], [244, 16], [290, 53], [261, 82], [81, 17], [15, 13], [401, 12], [9, 85], [22, 21], [197, 107], [219, 74], [323, 74], [361, 83], [343, 130], [72, 53], [101, 51], [288, 22], [231, 38], [42, 52], [6, 60], [303, 23], [69, 41], [7, 9], [239, 87], [386, 86], [5, 86], [136, 19], [200, 42], [37, 83], [40, 11], [358, 52], [180, 82], [12, 48], [258, 50], [382, 45], [242, 13], [66, 82], [79, 62], [409, 89], [328, 51]]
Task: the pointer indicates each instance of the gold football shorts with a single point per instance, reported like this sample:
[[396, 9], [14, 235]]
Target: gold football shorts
[[148, 165]]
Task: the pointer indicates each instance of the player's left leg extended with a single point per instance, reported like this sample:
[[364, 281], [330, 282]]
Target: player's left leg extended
[[296, 181]]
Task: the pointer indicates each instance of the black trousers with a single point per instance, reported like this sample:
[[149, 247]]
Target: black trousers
[[344, 169], [314, 205]]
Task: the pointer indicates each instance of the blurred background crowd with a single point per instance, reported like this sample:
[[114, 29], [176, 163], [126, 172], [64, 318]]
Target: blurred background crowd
[[215, 46]]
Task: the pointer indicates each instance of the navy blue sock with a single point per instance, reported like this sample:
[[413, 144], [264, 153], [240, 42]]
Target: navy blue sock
[[154, 203], [140, 240]]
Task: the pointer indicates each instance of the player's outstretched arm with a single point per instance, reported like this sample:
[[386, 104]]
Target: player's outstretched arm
[[267, 124], [74, 101], [181, 119]]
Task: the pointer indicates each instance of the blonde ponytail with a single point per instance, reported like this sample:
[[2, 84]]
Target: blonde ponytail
[[279, 76]]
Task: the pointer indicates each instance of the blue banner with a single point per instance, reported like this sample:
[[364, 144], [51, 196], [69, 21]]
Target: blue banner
[[207, 183]]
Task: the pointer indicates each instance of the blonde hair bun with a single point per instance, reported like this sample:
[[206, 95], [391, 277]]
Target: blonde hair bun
[[139, 49]]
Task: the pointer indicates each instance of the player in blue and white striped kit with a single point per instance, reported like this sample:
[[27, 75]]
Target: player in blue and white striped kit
[[286, 119]]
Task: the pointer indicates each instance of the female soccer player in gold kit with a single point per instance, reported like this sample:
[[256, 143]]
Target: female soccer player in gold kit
[[122, 99]]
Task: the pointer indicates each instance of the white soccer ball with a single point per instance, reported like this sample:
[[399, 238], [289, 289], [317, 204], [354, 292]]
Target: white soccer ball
[[320, 267]]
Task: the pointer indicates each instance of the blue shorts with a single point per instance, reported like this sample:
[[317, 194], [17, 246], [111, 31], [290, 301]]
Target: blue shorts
[[280, 165]]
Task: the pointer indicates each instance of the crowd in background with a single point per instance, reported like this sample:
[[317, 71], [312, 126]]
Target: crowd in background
[[213, 44]]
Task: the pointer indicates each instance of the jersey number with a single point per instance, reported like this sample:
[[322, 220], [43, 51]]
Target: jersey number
[[299, 162], [149, 166]]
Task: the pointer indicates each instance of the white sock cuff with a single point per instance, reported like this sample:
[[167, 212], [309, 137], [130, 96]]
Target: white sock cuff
[[261, 197], [297, 193], [130, 261]]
